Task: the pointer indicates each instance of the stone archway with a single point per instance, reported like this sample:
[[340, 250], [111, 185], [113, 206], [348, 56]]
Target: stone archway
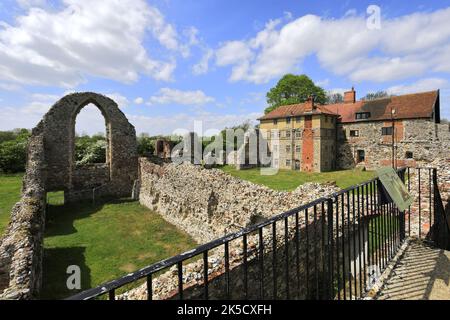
[[51, 167]]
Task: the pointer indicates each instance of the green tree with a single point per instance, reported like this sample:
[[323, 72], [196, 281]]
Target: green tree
[[333, 98], [292, 89], [145, 145], [13, 153], [376, 95]]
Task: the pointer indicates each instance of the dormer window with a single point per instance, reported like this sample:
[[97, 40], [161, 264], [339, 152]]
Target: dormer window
[[275, 121], [362, 115]]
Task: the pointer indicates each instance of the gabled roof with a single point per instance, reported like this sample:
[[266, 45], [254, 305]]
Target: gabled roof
[[408, 106], [294, 110]]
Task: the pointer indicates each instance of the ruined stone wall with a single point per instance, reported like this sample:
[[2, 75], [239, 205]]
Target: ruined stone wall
[[425, 139], [51, 167], [208, 204], [21, 248]]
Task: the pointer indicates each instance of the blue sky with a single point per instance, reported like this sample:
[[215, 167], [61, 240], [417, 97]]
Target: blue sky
[[169, 63]]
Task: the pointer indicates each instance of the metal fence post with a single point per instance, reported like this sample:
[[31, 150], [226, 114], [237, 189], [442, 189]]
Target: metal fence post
[[330, 248]]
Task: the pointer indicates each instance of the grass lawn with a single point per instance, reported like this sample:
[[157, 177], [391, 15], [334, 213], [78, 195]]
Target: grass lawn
[[10, 187], [106, 241], [289, 180]]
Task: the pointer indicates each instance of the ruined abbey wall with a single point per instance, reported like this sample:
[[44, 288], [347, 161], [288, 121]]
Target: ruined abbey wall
[[51, 167], [210, 203]]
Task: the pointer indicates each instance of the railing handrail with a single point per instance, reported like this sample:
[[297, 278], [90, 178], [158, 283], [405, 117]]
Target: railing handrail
[[166, 263]]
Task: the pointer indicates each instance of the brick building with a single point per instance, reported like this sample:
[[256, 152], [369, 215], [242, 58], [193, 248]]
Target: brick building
[[397, 130]]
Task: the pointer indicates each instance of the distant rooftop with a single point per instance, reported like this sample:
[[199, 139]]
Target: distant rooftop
[[408, 106]]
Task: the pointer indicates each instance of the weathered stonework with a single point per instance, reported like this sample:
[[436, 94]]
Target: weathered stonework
[[51, 167], [425, 140], [210, 203]]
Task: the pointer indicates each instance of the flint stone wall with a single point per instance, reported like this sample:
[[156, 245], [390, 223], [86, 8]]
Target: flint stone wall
[[425, 139], [208, 204], [51, 167]]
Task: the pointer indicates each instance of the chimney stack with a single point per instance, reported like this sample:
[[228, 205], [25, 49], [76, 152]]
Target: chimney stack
[[309, 104], [350, 96]]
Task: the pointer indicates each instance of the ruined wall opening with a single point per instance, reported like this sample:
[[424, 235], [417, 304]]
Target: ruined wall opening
[[91, 142]]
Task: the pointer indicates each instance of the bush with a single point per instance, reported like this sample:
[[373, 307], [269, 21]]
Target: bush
[[90, 150], [13, 154], [145, 146]]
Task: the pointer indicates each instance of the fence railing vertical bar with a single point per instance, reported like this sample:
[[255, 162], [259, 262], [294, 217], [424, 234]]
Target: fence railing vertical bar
[[245, 265], [360, 236], [409, 208], [307, 253], [180, 280], [112, 294], [297, 251], [261, 262], [429, 196], [364, 233], [274, 259], [316, 271], [149, 287], [324, 253], [286, 254], [420, 203], [331, 247], [205, 275], [353, 221], [349, 248], [227, 269], [338, 265], [343, 248]]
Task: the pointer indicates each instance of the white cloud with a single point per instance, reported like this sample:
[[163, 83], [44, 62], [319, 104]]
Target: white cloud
[[203, 65], [411, 45], [31, 3], [96, 38], [185, 122], [121, 100], [419, 86], [139, 100], [168, 95]]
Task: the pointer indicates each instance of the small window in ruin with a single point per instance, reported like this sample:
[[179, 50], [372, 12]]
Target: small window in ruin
[[297, 148], [288, 148], [360, 156], [288, 162], [386, 131], [409, 155], [298, 134], [275, 121], [354, 133], [288, 133], [288, 120]]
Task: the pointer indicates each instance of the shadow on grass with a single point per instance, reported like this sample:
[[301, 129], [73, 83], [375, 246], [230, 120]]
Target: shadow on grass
[[55, 273], [60, 218]]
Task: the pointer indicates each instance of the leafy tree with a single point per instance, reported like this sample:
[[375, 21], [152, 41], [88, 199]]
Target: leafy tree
[[292, 89], [376, 95], [95, 152], [145, 145], [333, 98], [13, 152]]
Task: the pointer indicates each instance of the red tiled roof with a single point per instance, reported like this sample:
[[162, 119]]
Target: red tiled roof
[[408, 106], [293, 110]]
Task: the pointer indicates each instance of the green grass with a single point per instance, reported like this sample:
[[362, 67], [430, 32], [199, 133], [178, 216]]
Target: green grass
[[106, 241], [10, 187], [288, 180]]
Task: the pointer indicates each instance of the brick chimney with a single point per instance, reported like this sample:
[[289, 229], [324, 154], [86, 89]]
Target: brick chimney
[[350, 96], [309, 104]]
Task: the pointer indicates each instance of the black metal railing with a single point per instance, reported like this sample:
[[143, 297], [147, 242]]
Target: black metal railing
[[331, 248]]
